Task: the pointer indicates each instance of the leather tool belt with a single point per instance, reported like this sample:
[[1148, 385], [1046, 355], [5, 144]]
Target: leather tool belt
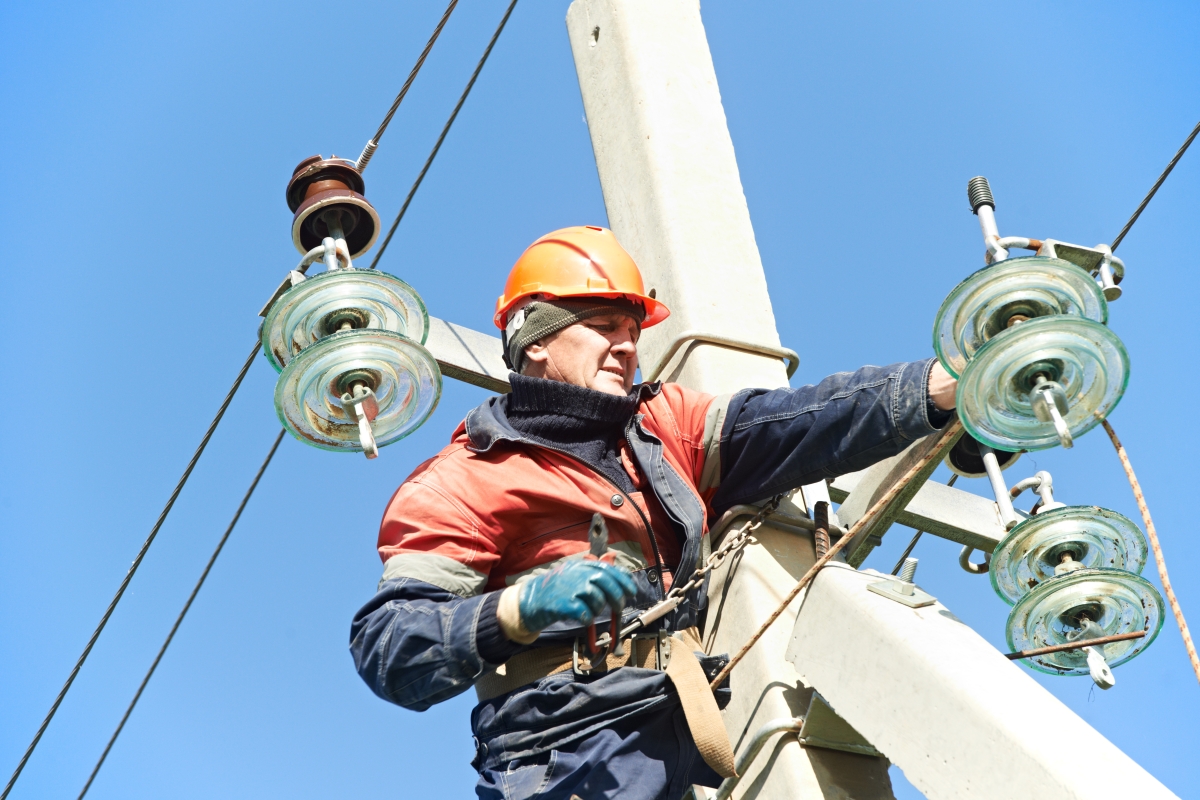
[[674, 654]]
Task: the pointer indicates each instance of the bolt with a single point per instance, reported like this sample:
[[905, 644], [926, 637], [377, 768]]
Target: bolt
[[909, 570]]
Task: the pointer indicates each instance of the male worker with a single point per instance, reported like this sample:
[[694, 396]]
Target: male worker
[[488, 580]]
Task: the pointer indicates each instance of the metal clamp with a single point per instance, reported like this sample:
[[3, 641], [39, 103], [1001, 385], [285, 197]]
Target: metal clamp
[[790, 356], [362, 407]]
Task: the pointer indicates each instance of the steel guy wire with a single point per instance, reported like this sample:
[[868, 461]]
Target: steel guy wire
[[441, 138], [373, 142], [137, 561], [183, 613], [1154, 189]]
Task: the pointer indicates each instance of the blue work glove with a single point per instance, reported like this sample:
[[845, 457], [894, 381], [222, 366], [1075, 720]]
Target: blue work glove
[[574, 590]]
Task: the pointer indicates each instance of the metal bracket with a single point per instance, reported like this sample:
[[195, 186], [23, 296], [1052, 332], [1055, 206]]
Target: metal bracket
[[824, 728], [902, 592], [790, 356], [588, 664]]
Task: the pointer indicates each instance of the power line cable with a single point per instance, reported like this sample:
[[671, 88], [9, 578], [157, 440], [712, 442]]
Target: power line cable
[[445, 130], [1154, 189], [132, 569], [373, 142], [183, 613]]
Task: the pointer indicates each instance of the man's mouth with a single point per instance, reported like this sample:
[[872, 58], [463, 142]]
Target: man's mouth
[[620, 373]]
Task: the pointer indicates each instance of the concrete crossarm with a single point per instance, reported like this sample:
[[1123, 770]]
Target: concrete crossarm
[[954, 714], [941, 510], [468, 355]]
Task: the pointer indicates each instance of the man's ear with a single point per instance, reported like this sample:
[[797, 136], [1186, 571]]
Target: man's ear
[[537, 355]]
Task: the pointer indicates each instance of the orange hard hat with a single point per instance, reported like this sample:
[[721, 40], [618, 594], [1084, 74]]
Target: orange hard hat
[[584, 261]]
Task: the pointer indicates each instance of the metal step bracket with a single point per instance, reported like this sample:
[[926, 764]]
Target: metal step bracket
[[824, 728]]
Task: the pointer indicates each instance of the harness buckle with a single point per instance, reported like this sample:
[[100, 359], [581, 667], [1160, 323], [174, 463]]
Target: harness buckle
[[588, 663], [662, 647]]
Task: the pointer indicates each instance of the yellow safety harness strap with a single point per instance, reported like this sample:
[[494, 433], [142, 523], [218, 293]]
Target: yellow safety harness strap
[[700, 706]]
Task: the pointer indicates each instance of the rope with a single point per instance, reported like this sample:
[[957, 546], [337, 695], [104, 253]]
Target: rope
[[373, 143], [132, 569], [1154, 189], [183, 613], [1159, 560], [445, 130], [950, 431]]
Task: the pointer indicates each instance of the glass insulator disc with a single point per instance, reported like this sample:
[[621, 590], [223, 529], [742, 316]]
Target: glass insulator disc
[[1118, 602], [319, 306], [986, 303], [994, 391], [1095, 537], [403, 374]]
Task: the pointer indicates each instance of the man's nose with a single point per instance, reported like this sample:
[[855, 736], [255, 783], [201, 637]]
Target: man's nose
[[624, 347]]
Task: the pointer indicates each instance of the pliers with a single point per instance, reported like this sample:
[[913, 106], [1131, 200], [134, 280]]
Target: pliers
[[598, 551]]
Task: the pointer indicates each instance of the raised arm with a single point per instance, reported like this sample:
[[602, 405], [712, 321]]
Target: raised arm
[[774, 440]]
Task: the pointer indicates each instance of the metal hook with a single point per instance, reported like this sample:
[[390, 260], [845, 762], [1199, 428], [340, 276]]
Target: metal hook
[[964, 561]]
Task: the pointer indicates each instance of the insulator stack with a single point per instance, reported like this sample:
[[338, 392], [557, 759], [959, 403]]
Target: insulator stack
[[1037, 366], [349, 343]]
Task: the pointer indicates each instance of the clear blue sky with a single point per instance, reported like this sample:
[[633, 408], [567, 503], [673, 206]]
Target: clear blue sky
[[148, 149]]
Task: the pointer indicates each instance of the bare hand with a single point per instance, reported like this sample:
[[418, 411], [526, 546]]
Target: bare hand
[[942, 387]]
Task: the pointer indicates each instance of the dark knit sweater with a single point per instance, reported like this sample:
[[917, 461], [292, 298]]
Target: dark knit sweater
[[585, 423]]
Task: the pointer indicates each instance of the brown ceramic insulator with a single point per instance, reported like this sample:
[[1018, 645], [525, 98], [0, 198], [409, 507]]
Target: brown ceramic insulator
[[360, 221], [315, 174]]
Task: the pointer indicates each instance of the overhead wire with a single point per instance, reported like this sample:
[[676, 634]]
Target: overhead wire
[[183, 613], [373, 142], [1154, 189], [442, 137], [361, 164], [1151, 532], [133, 568]]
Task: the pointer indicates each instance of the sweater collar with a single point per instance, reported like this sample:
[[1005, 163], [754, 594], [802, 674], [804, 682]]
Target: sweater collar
[[488, 423], [535, 397]]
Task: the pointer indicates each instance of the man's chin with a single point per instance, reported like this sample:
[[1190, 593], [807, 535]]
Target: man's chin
[[609, 383]]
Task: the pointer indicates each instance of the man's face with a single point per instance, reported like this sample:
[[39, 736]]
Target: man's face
[[598, 353]]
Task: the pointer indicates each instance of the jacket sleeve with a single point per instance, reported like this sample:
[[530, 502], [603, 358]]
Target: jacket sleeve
[[430, 630], [774, 440], [415, 644]]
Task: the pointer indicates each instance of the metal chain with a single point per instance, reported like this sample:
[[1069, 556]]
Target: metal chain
[[733, 544]]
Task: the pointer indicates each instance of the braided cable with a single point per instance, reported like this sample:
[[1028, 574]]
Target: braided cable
[[133, 568], [442, 137], [183, 613], [1159, 560], [373, 143]]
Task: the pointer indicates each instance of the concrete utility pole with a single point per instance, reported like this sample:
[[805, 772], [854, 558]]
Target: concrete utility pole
[[957, 717], [674, 198]]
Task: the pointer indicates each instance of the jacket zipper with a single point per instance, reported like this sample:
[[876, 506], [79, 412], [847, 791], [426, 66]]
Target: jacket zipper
[[658, 562]]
